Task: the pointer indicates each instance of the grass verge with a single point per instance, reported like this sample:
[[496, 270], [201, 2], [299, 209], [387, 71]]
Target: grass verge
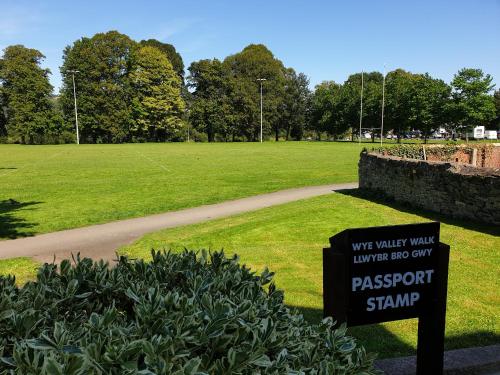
[[288, 239]]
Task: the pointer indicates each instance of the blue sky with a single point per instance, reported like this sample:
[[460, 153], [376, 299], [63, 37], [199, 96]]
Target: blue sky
[[327, 40]]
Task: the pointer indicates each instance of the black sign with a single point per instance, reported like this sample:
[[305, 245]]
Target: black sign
[[379, 274]]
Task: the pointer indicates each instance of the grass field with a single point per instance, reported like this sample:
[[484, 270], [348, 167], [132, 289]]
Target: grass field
[[47, 188], [289, 238], [50, 188]]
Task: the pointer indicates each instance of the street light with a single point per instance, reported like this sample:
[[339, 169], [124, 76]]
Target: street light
[[383, 107], [261, 80], [361, 109], [73, 72]]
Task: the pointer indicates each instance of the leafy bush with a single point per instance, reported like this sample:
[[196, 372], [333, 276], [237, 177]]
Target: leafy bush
[[402, 151], [183, 313], [444, 152]]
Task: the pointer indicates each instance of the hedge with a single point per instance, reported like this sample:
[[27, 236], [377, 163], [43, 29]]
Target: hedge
[[188, 313], [444, 152]]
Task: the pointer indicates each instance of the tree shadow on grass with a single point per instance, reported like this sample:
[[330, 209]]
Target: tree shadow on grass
[[375, 338], [11, 225], [466, 224]]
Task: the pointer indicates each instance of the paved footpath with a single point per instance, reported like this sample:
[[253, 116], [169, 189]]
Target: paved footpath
[[101, 241]]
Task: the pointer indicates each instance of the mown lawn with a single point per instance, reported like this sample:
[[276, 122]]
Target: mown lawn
[[50, 188], [24, 269], [289, 240]]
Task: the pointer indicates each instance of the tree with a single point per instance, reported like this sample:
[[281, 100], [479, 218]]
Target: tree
[[157, 105], [428, 102], [495, 124], [226, 96], [325, 103], [211, 111], [3, 113], [472, 105], [372, 101], [399, 92], [26, 95], [171, 53], [245, 67], [103, 86], [294, 105]]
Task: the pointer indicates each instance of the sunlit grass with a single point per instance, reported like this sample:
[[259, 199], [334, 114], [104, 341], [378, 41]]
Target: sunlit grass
[[49, 188], [289, 240]]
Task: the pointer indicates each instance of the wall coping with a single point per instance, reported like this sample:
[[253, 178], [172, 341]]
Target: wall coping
[[459, 168]]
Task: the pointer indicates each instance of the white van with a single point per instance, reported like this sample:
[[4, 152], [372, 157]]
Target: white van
[[478, 132], [490, 134]]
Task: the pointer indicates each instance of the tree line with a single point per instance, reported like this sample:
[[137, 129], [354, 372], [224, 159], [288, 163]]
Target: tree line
[[137, 91], [411, 102]]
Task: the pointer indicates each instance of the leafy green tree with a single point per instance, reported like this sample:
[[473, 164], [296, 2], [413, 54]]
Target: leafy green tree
[[226, 96], [103, 87], [398, 98], [157, 105], [254, 62], [294, 105], [170, 52], [26, 95], [372, 102], [324, 108], [211, 111], [472, 105], [3, 113], [428, 102], [495, 124]]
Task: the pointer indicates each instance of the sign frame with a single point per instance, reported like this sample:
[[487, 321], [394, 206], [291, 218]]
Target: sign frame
[[343, 304]]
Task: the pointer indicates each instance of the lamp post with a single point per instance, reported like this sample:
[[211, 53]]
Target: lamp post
[[73, 72], [383, 107], [261, 80], [361, 109]]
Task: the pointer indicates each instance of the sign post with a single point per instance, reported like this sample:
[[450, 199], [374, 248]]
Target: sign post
[[379, 274]]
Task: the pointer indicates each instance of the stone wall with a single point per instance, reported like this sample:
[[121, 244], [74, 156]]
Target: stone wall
[[453, 189]]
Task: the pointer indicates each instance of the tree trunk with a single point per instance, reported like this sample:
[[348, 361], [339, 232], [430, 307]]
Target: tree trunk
[[277, 134]]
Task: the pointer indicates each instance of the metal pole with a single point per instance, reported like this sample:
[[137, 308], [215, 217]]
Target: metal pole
[[261, 80], [361, 109], [383, 105], [76, 108], [260, 111]]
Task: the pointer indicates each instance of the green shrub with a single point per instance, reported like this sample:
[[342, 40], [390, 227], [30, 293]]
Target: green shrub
[[183, 313], [444, 152]]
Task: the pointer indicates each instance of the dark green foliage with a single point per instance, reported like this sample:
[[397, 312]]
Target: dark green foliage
[[472, 103], [496, 121], [27, 114], [211, 110], [443, 152], [399, 88], [226, 96], [179, 314], [336, 107], [428, 103], [402, 151], [102, 84], [294, 108]]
